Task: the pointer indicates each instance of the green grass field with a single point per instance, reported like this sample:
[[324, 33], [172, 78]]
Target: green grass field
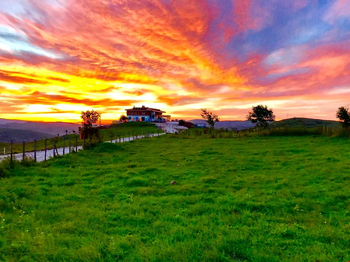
[[241, 199], [115, 132]]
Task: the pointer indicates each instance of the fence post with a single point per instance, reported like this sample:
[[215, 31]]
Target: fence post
[[11, 150], [34, 150], [69, 144], [45, 147], [64, 145], [53, 149], [24, 150], [76, 143]]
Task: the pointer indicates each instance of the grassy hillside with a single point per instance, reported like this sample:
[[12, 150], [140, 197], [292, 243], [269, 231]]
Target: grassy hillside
[[305, 122], [115, 132], [6, 135], [247, 199]]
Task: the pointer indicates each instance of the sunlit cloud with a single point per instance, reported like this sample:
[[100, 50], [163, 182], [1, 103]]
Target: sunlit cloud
[[59, 57]]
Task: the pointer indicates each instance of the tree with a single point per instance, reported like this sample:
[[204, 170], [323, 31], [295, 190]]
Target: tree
[[181, 122], [343, 114], [261, 116], [89, 119], [123, 118], [209, 117]]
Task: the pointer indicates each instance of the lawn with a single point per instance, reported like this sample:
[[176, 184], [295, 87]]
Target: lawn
[[115, 132], [240, 199]]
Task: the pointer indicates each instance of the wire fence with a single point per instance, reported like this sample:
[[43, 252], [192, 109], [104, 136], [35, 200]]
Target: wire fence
[[42, 150]]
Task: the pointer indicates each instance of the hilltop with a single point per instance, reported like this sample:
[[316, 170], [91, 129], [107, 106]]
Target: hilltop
[[305, 122]]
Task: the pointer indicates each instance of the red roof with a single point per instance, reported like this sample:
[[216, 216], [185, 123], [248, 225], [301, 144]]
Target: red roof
[[143, 108]]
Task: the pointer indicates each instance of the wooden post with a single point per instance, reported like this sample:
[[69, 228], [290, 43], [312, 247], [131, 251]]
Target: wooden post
[[76, 143], [11, 150], [34, 150], [64, 145], [45, 147], [24, 151], [69, 145], [53, 149]]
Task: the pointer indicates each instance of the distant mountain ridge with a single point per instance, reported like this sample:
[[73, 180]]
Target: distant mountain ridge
[[238, 125], [18, 135], [290, 122], [52, 128]]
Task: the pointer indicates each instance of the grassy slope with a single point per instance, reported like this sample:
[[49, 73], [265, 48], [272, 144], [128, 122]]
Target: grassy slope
[[305, 122], [248, 199], [122, 130]]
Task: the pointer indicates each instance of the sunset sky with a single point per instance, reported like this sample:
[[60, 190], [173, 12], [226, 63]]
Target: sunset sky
[[59, 57]]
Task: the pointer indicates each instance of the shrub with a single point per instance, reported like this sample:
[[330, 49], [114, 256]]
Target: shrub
[[137, 181], [5, 167], [28, 161]]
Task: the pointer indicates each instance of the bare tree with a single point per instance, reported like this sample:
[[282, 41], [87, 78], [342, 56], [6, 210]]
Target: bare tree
[[210, 117]]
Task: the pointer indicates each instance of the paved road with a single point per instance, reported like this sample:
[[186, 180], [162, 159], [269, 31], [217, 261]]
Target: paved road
[[40, 155], [171, 127]]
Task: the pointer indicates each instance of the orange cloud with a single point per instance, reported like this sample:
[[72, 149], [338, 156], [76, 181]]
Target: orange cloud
[[175, 54]]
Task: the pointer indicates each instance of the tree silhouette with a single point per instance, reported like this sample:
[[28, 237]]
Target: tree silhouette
[[261, 116], [123, 118], [209, 117], [343, 115], [89, 119]]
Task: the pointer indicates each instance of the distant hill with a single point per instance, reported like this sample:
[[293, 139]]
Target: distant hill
[[291, 122], [52, 128], [17, 135], [305, 122], [239, 125]]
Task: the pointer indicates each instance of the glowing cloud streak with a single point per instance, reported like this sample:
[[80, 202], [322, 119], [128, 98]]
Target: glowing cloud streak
[[60, 57]]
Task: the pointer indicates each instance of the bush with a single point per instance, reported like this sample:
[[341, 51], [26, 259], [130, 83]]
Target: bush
[[28, 161], [137, 182], [5, 167]]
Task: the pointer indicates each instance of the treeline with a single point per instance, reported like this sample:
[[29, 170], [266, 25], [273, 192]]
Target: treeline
[[262, 117]]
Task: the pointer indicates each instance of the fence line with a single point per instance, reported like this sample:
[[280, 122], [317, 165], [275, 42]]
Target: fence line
[[46, 153]]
